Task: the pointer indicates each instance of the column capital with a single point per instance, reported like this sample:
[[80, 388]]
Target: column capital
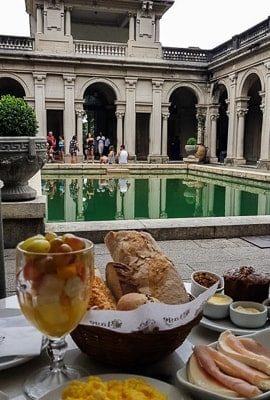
[[39, 78], [39, 6], [157, 83], [119, 114], [68, 8], [80, 113], [241, 112], [131, 15], [131, 83], [69, 79], [214, 117], [165, 115]]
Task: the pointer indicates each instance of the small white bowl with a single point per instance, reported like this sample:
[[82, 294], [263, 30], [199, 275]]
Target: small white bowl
[[266, 303], [218, 306], [245, 319], [197, 288]]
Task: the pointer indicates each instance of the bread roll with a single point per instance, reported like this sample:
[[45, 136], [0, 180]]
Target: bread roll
[[146, 268], [130, 301]]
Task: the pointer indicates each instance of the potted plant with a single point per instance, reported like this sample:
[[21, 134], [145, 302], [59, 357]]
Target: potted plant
[[22, 154], [191, 146]]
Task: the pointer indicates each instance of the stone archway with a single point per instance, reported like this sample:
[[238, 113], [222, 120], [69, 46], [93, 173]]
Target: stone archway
[[182, 122], [253, 121], [12, 87], [99, 107]]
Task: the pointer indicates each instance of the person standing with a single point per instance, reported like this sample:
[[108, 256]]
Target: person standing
[[73, 149], [106, 145], [122, 156], [90, 147], [111, 155], [52, 140], [61, 148], [100, 144]]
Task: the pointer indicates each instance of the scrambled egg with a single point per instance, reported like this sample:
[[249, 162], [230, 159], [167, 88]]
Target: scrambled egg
[[95, 389]]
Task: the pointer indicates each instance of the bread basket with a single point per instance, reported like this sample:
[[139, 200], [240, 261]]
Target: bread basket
[[130, 349]]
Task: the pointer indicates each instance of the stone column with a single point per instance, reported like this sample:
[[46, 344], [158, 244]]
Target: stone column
[[155, 131], [80, 114], [163, 198], [119, 205], [39, 19], [70, 204], [130, 117], [211, 200], [240, 134], [201, 118], [157, 30], [68, 21], [262, 204], [237, 202], [129, 201], [69, 112], [232, 119], [131, 26], [213, 141], [154, 198], [40, 106], [119, 118], [165, 117], [229, 197], [264, 161]]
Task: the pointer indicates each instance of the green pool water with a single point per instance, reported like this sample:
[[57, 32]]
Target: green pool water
[[76, 198]]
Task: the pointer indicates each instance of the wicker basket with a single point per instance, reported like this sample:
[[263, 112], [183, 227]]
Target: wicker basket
[[130, 349]]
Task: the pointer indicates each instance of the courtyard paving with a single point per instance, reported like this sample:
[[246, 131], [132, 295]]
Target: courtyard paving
[[217, 255]]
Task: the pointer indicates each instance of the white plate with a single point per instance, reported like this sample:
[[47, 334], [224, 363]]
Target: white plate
[[171, 391], [196, 392], [11, 361], [220, 325]]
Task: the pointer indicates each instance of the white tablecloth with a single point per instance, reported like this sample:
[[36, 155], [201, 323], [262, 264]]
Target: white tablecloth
[[12, 379]]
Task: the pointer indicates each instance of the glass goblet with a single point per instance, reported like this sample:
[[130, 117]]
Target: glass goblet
[[53, 290]]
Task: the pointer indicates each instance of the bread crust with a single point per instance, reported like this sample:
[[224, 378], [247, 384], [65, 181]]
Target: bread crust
[[148, 269]]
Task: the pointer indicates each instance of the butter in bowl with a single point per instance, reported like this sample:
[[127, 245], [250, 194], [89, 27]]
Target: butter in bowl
[[217, 306], [248, 314]]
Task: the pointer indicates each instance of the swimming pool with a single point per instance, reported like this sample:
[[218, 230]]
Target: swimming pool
[[105, 198]]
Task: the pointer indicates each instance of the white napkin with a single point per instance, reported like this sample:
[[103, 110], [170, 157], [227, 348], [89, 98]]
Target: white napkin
[[18, 337]]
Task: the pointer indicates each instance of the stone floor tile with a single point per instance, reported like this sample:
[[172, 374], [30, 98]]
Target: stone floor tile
[[177, 245], [249, 252], [214, 243], [200, 255], [222, 266], [240, 242]]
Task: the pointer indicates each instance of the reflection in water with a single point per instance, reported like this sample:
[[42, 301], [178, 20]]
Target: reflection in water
[[82, 199]]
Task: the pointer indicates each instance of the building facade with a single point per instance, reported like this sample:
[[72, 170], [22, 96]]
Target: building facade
[[99, 66]]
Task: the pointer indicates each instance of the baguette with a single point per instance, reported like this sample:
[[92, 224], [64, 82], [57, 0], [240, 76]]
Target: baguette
[[143, 268]]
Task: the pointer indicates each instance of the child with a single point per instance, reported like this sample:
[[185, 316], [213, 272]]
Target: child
[[73, 149]]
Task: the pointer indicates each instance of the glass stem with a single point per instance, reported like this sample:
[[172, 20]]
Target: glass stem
[[56, 350]]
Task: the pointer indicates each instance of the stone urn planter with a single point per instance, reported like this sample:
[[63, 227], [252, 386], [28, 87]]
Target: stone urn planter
[[22, 154], [191, 147], [20, 159]]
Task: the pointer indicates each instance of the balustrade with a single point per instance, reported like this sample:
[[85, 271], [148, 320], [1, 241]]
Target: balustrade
[[100, 48], [181, 54], [16, 43]]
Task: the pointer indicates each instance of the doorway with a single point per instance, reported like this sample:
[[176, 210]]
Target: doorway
[[142, 136]]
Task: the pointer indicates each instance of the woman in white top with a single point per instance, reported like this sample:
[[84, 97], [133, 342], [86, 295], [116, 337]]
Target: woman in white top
[[122, 155]]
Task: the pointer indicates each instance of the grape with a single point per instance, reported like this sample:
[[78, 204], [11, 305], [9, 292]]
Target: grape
[[38, 246], [50, 236], [24, 244]]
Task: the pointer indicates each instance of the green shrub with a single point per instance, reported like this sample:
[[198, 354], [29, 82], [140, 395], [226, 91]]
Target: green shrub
[[192, 141], [17, 118]]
